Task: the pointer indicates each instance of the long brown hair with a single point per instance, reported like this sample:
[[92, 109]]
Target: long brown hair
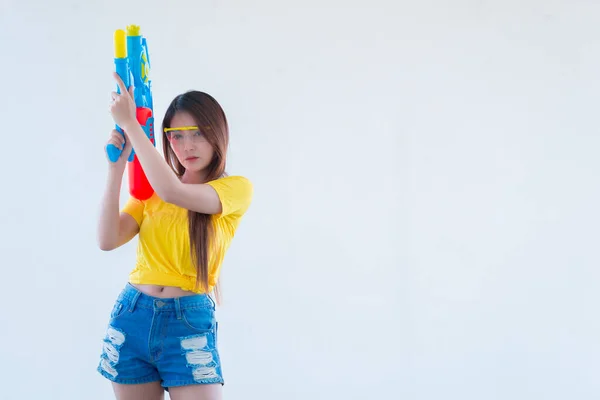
[[211, 120]]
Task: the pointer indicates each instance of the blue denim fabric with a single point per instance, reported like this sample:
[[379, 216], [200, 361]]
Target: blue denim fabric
[[170, 340]]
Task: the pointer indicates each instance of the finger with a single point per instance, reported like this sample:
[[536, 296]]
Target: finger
[[115, 135], [114, 95], [120, 82], [127, 148], [119, 139], [116, 143], [131, 90]]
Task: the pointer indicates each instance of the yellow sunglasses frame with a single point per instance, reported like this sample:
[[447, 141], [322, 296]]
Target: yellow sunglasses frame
[[181, 128]]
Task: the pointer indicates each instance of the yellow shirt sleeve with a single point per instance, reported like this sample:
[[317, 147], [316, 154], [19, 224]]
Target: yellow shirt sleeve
[[235, 193], [135, 208]]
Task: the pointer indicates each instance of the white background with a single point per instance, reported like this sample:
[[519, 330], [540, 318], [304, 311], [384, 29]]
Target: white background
[[425, 220]]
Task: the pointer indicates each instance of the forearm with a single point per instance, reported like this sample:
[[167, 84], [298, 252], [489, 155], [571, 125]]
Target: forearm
[[108, 224], [162, 179]]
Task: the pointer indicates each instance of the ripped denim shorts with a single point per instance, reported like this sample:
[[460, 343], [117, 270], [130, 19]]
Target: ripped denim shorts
[[172, 340]]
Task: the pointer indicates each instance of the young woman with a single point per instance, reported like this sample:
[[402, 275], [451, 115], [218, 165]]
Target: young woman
[[162, 333]]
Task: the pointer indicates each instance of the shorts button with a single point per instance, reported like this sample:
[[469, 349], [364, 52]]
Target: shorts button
[[160, 303]]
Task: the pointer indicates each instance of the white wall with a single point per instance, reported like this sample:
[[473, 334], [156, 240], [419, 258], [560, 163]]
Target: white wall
[[435, 232]]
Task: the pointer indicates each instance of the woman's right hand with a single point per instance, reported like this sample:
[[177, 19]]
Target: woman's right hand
[[118, 140]]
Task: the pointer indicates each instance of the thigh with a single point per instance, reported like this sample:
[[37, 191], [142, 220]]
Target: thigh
[[142, 391], [197, 392]]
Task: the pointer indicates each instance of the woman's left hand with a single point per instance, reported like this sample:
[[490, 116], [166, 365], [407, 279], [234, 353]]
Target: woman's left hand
[[122, 107]]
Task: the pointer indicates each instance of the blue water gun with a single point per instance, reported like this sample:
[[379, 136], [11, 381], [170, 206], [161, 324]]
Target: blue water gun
[[132, 64]]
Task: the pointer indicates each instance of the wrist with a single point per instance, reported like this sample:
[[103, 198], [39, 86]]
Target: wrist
[[116, 171]]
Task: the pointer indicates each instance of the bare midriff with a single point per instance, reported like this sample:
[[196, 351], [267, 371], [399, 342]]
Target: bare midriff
[[163, 291]]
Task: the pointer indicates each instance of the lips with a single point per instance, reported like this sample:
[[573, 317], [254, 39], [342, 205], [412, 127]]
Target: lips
[[191, 158]]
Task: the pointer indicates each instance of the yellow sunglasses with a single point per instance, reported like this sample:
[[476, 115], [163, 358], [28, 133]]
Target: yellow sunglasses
[[181, 128]]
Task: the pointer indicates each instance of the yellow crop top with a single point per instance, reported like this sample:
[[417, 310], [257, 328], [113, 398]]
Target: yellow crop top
[[163, 252]]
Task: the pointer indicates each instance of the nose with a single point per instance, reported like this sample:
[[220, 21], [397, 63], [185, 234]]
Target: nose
[[188, 143]]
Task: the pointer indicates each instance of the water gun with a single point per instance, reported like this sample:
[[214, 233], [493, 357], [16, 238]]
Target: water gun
[[132, 63]]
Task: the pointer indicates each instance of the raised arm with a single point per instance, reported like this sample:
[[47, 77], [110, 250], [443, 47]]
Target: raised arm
[[115, 228], [201, 198]]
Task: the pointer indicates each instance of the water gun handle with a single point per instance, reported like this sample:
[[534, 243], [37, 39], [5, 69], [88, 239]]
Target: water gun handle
[[122, 69], [114, 152]]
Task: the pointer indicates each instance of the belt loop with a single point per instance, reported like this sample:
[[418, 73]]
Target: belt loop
[[177, 308], [136, 296], [214, 305]]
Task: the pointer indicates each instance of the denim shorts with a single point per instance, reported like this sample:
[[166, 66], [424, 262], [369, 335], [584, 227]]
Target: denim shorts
[[171, 340]]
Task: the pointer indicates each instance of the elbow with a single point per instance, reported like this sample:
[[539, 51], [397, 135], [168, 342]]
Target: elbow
[[105, 245]]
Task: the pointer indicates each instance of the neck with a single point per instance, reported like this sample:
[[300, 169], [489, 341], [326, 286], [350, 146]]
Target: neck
[[193, 177]]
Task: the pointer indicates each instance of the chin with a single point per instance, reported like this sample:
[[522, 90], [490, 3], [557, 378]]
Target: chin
[[193, 166]]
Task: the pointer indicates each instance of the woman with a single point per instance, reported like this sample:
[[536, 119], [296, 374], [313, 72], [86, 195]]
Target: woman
[[162, 333]]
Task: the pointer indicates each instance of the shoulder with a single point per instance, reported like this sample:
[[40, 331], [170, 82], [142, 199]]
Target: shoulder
[[232, 178], [236, 183], [154, 199], [235, 193]]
